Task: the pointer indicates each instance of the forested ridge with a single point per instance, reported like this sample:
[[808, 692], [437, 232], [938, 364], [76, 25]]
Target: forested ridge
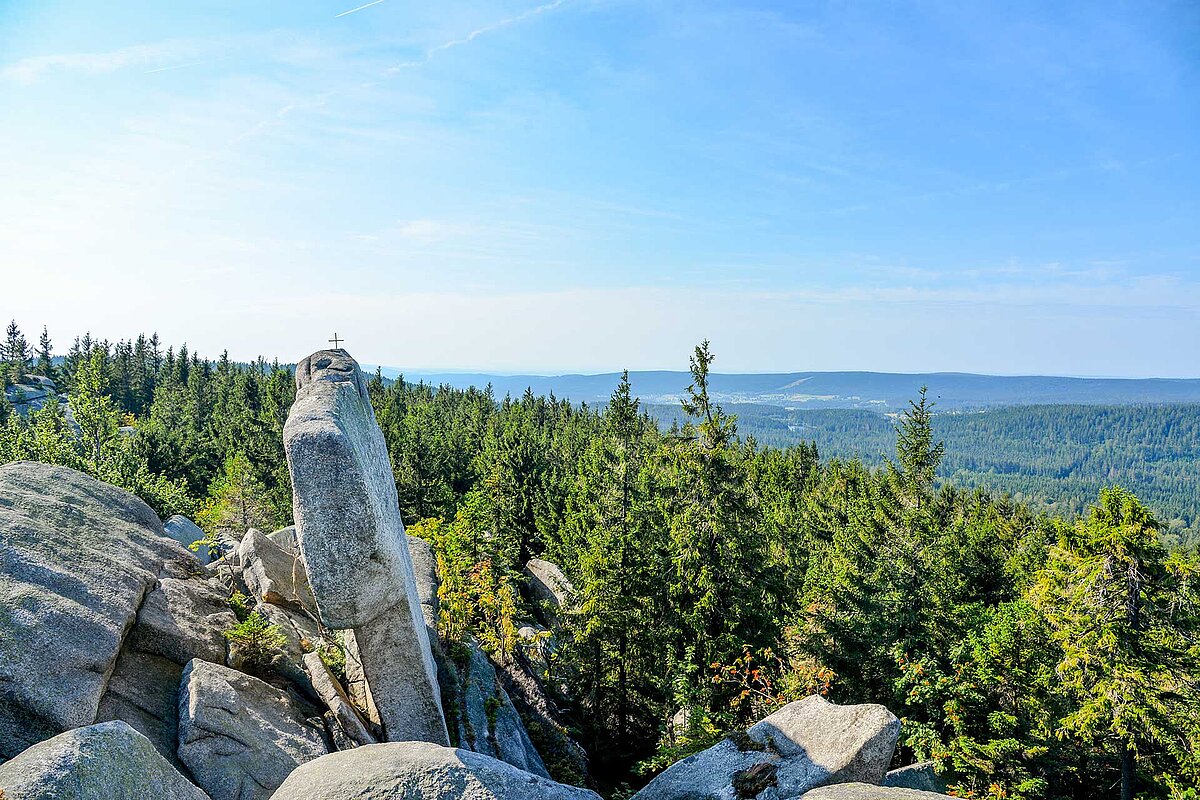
[[1054, 456], [1033, 656]]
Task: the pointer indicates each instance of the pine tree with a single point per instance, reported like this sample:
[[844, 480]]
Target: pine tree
[[93, 409], [717, 552], [618, 556], [16, 353], [1124, 613], [45, 356]]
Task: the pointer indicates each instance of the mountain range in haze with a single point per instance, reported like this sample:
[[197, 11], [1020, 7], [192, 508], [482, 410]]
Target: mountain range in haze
[[880, 391]]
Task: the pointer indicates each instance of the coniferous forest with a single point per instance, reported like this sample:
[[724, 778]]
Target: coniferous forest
[[716, 577]]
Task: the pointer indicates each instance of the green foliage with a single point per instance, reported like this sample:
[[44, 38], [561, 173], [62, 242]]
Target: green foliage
[[333, 655], [256, 641], [722, 577], [237, 500]]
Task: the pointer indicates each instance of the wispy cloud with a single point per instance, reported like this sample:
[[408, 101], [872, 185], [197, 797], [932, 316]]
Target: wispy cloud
[[29, 70], [475, 34], [360, 8]]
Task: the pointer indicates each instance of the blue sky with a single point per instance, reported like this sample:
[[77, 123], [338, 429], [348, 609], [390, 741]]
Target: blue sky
[[586, 185]]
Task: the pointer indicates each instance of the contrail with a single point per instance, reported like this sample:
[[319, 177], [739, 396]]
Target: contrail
[[360, 8], [175, 66], [475, 34]]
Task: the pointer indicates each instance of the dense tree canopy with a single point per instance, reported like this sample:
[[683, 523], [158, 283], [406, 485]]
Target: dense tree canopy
[[716, 578]]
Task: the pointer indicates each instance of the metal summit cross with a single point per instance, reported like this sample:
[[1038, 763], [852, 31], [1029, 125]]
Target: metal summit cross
[[335, 340]]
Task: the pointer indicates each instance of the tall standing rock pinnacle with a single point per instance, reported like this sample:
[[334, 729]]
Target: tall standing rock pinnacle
[[353, 544]]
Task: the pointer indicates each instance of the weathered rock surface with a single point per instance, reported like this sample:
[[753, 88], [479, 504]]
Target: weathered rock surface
[[405, 696], [347, 516], [182, 620], [178, 621], [486, 720], [77, 557], [186, 532], [549, 587], [809, 743], [419, 771], [426, 580], [272, 574], [865, 791], [353, 543], [921, 776], [239, 736], [335, 699], [286, 539], [109, 761]]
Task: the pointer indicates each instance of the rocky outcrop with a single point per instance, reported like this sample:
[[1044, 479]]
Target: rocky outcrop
[[239, 736], [548, 588], [353, 543], [419, 771], [425, 579], [183, 530], [178, 621], [921, 776], [109, 761], [805, 744], [485, 719], [865, 791], [272, 574], [77, 557]]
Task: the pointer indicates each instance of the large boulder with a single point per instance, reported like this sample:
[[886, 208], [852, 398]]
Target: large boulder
[[865, 791], [921, 776], [273, 574], [109, 761], [805, 744], [419, 771], [187, 533], [77, 558], [353, 543], [239, 736]]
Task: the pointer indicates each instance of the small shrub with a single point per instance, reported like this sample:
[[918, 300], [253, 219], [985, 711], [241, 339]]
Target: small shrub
[[257, 641], [241, 605], [334, 657]]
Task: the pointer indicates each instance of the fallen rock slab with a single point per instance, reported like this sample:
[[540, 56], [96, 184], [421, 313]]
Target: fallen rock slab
[[109, 761], [336, 701], [419, 771], [239, 736]]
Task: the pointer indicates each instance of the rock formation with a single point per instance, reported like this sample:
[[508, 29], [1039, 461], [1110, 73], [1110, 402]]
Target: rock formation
[[239, 736], [78, 558], [353, 543], [805, 744], [419, 770], [109, 761]]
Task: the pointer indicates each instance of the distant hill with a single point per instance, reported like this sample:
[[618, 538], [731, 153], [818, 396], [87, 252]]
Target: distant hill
[[879, 391]]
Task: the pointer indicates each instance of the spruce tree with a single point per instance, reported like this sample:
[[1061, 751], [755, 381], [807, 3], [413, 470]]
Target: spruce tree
[[1125, 614], [45, 355], [16, 353]]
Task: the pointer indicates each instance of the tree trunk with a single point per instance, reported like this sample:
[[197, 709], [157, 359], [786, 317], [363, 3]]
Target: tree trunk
[[1128, 775]]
